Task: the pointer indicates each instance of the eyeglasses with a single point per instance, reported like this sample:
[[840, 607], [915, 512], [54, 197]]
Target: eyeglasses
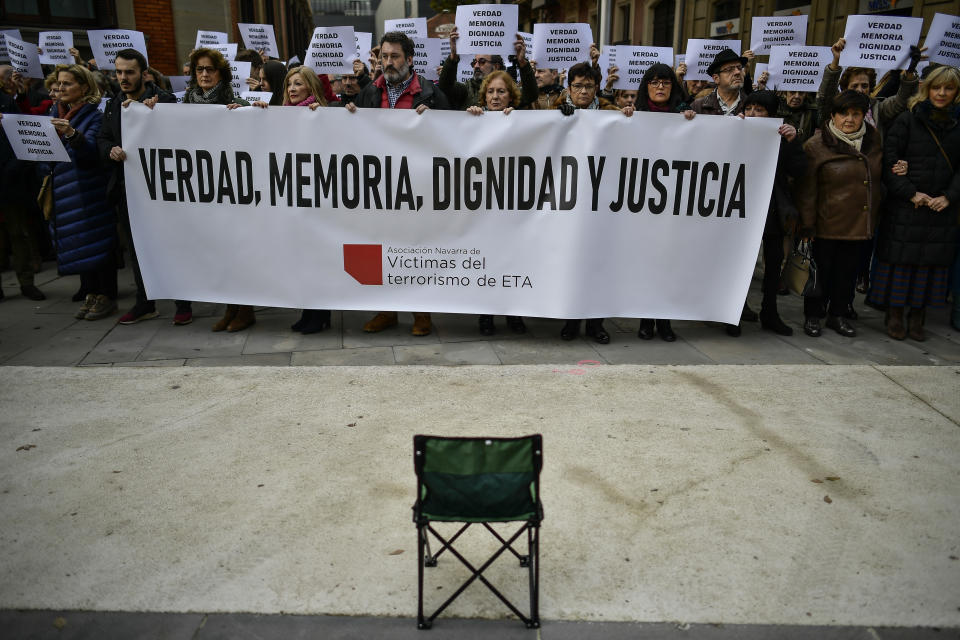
[[206, 70], [659, 84], [734, 69], [476, 62], [583, 87]]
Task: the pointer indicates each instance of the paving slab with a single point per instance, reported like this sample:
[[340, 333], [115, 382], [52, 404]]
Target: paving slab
[[629, 349], [452, 327], [726, 495], [246, 360], [177, 362], [447, 353], [764, 347], [274, 335], [105, 625], [355, 337], [551, 350], [194, 340], [362, 356], [68, 346], [124, 342]]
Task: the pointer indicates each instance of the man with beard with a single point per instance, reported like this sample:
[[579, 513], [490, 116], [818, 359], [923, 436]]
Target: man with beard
[[398, 88], [130, 65], [548, 84]]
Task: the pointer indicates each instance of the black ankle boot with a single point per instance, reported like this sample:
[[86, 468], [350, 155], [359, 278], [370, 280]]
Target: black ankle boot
[[302, 322], [318, 321], [571, 329], [666, 331], [596, 331], [770, 320], [646, 331]]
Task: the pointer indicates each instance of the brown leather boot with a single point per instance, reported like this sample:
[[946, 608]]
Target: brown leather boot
[[227, 318], [381, 321], [915, 321], [421, 324], [244, 319], [894, 321]]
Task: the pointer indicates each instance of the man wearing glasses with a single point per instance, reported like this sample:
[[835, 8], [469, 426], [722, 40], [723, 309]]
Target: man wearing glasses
[[464, 95], [728, 71]]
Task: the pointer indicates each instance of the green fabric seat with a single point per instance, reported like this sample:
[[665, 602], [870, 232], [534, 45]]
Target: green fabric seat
[[478, 481]]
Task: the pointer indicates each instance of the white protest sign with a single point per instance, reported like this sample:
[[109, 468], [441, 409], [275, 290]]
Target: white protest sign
[[445, 48], [528, 42], [465, 68], [292, 61], [56, 47], [487, 28], [364, 41], [178, 83], [633, 62], [943, 40], [331, 50], [210, 38], [607, 58], [413, 27], [259, 37], [24, 58], [561, 45], [427, 57], [240, 72], [253, 96], [879, 42], [701, 53], [34, 138], [798, 68], [776, 31], [758, 70], [106, 42], [532, 214], [103, 104], [228, 51], [14, 33]]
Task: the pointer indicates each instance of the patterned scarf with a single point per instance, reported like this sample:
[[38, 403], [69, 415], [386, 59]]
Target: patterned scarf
[[593, 105], [213, 96]]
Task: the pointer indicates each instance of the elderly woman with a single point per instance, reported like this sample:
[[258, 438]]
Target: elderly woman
[[83, 224], [918, 238], [583, 82], [839, 198], [209, 83], [498, 92], [660, 92], [302, 88]]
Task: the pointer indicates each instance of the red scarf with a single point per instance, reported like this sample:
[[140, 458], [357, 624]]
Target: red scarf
[[306, 103], [65, 112], [652, 106]]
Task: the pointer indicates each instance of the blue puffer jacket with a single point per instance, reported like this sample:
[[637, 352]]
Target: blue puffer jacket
[[84, 224]]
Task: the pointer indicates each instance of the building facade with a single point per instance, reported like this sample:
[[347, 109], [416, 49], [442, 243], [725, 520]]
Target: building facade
[[169, 26]]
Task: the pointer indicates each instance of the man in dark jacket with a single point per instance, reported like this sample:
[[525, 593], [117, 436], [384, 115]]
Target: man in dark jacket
[[16, 186], [728, 71], [548, 86], [130, 65], [399, 88]]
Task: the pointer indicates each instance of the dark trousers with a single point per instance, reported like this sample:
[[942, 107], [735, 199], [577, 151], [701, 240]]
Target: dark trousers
[[837, 264], [23, 241], [772, 263], [102, 280], [142, 301]]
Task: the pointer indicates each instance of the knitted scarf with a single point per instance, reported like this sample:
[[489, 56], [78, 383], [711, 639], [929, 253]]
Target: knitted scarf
[[306, 103], [213, 96], [593, 105], [854, 139]]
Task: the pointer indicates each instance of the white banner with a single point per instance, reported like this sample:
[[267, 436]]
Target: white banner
[[332, 50], [487, 28], [24, 58], [210, 39], [239, 71], [701, 53], [55, 47], [413, 27], [427, 57], [879, 42], [943, 40], [106, 42], [34, 138], [777, 31], [531, 214], [633, 62], [259, 37], [561, 45], [13, 33], [364, 42], [798, 68]]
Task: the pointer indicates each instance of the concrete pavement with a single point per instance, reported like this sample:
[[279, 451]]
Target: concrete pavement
[[812, 496]]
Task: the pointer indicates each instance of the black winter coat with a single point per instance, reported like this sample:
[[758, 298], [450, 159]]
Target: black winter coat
[[921, 236], [109, 137]]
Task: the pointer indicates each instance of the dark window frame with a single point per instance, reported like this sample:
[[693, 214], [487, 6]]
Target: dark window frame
[[105, 16]]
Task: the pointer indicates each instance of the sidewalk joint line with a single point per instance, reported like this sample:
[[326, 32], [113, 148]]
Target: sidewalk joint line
[[924, 401]]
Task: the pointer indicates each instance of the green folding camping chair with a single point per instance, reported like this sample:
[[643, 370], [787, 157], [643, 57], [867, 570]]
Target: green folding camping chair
[[478, 481]]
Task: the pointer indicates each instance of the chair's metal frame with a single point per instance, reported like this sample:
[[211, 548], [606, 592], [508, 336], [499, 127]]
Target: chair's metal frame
[[530, 561]]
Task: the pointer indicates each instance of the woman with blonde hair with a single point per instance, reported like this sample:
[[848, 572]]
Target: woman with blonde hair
[[302, 88], [83, 223], [919, 231]]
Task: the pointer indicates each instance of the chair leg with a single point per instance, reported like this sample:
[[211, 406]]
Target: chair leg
[[421, 542], [533, 538], [524, 560]]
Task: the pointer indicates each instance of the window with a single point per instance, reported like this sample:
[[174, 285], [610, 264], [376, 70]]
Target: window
[[623, 17], [65, 13], [726, 10], [663, 16]]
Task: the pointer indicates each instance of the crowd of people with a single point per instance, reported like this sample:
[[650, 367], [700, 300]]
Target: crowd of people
[[867, 172]]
